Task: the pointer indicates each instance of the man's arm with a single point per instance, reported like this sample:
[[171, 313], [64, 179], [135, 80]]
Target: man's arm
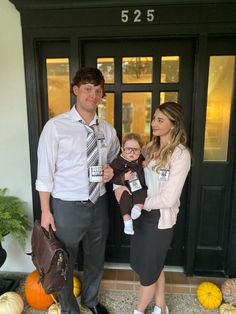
[[47, 152], [46, 217]]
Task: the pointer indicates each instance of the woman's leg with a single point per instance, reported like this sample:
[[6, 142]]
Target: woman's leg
[[146, 294], [160, 292]]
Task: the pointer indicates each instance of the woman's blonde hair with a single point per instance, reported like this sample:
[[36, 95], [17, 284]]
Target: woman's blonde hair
[[175, 113]]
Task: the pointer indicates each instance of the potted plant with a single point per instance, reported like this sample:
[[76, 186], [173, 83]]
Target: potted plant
[[13, 218]]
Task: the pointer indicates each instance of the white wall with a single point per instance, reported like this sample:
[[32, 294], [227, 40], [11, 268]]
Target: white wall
[[14, 145]]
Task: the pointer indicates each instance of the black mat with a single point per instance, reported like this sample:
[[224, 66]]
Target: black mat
[[8, 284]]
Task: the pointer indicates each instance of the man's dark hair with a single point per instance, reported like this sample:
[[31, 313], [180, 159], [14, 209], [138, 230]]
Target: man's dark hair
[[88, 75]]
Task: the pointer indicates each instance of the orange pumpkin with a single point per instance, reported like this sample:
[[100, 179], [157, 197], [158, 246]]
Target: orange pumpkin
[[35, 294]]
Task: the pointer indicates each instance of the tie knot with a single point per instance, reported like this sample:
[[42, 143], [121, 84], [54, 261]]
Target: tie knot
[[89, 128]]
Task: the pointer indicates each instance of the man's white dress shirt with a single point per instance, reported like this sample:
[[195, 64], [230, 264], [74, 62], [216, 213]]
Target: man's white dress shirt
[[62, 156]]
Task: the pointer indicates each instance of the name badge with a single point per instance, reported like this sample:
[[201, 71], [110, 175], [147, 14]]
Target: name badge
[[163, 174], [134, 183], [95, 174]]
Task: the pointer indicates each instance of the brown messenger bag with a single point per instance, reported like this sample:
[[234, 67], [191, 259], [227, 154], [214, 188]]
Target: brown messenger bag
[[49, 257]]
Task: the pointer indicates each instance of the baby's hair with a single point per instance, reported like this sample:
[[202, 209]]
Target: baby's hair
[[132, 136]]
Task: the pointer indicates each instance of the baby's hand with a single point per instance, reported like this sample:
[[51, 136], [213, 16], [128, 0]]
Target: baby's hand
[[129, 175]]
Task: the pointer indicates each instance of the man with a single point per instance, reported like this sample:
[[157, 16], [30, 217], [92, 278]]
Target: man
[[72, 146]]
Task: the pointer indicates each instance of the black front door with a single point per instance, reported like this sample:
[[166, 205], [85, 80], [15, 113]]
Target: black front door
[[212, 236], [139, 75]]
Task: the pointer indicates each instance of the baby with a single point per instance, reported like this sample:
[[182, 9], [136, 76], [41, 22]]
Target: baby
[[128, 171]]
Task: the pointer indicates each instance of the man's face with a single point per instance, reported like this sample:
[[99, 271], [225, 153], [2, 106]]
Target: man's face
[[88, 96]]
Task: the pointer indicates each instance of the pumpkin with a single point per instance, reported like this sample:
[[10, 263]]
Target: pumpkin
[[11, 303], [228, 289], [227, 308], [76, 286], [35, 294], [54, 309], [209, 295]]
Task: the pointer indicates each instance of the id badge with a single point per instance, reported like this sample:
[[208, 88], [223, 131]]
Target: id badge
[[134, 183], [163, 174], [101, 140], [95, 174]]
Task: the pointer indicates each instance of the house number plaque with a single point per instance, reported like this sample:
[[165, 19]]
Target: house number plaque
[[137, 16]]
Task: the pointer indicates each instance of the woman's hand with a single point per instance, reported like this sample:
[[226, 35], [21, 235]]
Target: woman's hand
[[145, 163], [119, 191]]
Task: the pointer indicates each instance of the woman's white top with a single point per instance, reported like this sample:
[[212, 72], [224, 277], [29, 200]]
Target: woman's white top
[[151, 179]]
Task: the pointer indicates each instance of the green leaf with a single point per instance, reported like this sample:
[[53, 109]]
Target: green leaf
[[13, 218]]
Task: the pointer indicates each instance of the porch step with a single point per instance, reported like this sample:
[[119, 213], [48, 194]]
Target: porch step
[[176, 281]]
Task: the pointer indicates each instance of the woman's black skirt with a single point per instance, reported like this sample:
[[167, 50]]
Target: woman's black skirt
[[149, 246]]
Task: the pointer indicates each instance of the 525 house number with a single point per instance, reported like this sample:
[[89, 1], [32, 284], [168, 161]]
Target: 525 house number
[[137, 16]]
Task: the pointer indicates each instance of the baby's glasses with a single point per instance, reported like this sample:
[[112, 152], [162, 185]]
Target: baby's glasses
[[129, 150]]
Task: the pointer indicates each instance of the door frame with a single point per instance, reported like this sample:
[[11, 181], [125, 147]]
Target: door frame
[[41, 22]]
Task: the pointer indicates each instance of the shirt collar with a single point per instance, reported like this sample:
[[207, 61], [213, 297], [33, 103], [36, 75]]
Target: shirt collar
[[76, 117]]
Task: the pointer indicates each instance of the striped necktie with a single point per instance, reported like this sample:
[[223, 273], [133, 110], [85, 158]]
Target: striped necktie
[[92, 160]]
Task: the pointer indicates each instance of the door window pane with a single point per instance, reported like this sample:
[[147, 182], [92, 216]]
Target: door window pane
[[170, 69], [106, 108], [107, 67], [136, 114], [137, 70], [168, 96], [219, 99], [58, 84]]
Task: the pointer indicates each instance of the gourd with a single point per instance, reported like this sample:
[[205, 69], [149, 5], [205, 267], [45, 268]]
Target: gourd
[[11, 303], [35, 294], [228, 289], [76, 286], [54, 309], [209, 295], [227, 309]]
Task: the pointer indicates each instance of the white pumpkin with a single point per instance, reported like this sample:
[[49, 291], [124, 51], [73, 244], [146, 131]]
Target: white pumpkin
[[228, 289], [54, 309], [227, 308], [11, 303]]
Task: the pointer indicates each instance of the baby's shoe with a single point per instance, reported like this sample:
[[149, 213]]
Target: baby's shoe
[[128, 226], [157, 310], [135, 212], [138, 312]]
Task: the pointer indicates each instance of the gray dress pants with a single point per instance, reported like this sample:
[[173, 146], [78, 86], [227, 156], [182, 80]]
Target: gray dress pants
[[76, 222]]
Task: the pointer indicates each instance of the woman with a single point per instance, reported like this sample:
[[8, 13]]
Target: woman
[[167, 165]]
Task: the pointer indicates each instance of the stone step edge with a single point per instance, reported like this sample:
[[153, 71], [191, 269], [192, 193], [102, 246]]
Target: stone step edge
[[134, 286]]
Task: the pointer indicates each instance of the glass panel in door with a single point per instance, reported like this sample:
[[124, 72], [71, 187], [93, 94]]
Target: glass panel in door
[[137, 70], [136, 114], [106, 108], [170, 69], [168, 96], [58, 85], [107, 67], [219, 100]]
